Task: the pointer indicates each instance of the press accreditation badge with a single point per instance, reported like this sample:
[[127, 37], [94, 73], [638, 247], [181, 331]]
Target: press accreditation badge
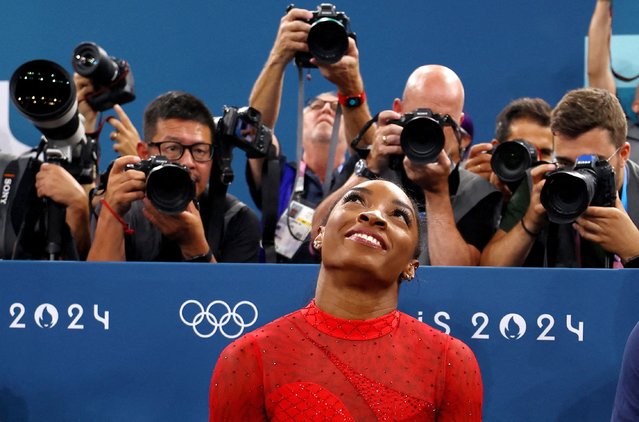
[[292, 228]]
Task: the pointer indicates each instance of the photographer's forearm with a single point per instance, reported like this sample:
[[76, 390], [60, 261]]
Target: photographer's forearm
[[446, 246], [354, 120], [599, 34], [108, 242], [266, 94], [78, 221], [507, 249]]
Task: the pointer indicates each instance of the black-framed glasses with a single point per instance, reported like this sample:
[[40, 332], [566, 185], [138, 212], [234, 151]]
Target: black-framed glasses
[[173, 151]]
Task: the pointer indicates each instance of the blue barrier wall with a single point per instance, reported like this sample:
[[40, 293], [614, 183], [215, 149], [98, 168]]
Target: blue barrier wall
[[214, 49], [87, 341]]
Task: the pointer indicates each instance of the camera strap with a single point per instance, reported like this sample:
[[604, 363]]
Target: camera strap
[[331, 152], [298, 189], [270, 201], [8, 187]]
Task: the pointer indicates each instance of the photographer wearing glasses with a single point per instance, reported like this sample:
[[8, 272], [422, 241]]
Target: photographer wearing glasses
[[585, 213], [150, 207], [306, 37]]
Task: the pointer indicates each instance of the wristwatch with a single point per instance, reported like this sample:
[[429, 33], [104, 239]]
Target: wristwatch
[[200, 258], [361, 170], [351, 101]]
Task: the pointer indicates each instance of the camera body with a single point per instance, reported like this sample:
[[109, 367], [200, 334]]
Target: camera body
[[168, 185], [422, 137], [328, 37], [111, 77], [567, 193], [511, 159], [243, 128]]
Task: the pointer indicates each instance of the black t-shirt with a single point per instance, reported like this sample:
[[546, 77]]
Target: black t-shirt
[[239, 242]]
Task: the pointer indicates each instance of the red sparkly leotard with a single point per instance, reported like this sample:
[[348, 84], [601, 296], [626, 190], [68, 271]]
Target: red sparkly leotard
[[309, 365]]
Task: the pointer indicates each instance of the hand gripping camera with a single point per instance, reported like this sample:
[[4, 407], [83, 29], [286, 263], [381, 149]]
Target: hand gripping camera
[[111, 77], [44, 93], [511, 159], [422, 138], [328, 37], [567, 193], [168, 185], [243, 128]]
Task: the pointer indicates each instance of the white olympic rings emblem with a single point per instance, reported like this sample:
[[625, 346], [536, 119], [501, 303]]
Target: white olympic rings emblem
[[215, 322]]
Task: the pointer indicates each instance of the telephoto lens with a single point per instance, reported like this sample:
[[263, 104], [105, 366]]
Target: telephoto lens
[[43, 92]]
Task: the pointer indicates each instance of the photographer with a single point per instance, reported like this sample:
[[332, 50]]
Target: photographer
[[461, 209], [525, 119], [318, 120], [586, 121], [130, 227]]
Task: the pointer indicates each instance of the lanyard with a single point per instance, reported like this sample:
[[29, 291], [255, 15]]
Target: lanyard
[[624, 189]]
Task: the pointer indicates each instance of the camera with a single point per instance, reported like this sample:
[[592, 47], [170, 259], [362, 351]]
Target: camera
[[422, 137], [243, 128], [511, 159], [111, 77], [168, 185], [328, 37], [567, 193], [44, 93]]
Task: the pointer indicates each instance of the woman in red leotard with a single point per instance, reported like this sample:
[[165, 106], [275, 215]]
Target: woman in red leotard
[[350, 354]]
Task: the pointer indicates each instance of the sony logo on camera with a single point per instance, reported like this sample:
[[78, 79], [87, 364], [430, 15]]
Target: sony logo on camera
[[7, 180]]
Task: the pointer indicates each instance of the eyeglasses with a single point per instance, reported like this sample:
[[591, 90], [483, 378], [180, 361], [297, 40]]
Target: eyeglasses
[[570, 165], [318, 104], [173, 151]]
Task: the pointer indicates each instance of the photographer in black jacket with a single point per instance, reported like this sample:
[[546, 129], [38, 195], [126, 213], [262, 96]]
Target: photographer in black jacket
[[130, 227]]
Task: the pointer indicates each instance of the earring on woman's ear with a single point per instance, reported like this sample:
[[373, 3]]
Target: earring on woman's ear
[[408, 276], [317, 243]]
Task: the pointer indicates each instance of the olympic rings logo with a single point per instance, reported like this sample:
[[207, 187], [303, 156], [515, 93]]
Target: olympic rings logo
[[218, 320]]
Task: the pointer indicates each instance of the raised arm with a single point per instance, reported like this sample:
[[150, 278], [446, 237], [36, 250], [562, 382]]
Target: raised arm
[[599, 34]]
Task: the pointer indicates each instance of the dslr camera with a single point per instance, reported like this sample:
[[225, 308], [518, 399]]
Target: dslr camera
[[511, 159], [567, 193], [168, 185], [111, 77], [422, 138], [328, 37], [243, 128]]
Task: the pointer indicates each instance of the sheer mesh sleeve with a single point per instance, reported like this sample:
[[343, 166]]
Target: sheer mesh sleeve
[[237, 392], [463, 391]]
